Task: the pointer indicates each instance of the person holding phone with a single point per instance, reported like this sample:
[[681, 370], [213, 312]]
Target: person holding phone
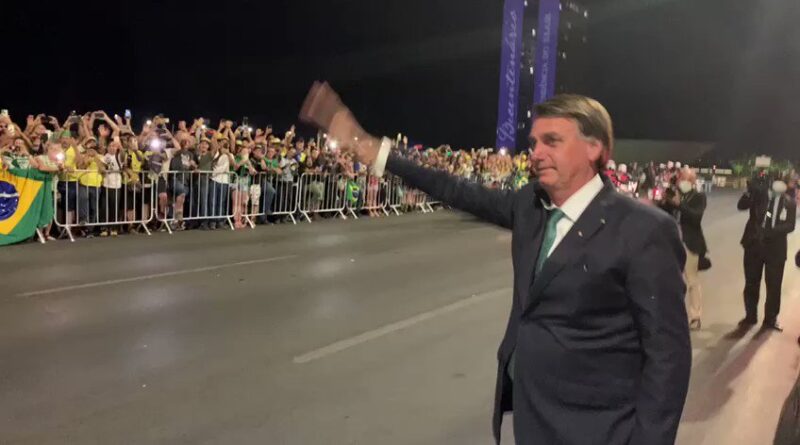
[[773, 216]]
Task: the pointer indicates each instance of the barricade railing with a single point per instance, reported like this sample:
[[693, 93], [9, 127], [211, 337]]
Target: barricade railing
[[414, 199], [286, 198], [255, 208], [373, 191], [196, 196], [93, 199], [269, 196], [321, 193], [395, 194]]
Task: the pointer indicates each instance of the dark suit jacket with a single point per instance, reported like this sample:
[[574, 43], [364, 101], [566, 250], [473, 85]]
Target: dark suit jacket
[[601, 334], [691, 210], [770, 241]]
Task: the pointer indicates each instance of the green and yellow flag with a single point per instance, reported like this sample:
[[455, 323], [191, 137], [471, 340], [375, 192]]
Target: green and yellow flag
[[26, 203]]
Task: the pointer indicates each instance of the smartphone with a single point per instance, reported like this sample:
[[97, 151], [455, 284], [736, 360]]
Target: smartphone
[[4, 112], [98, 115], [127, 114]]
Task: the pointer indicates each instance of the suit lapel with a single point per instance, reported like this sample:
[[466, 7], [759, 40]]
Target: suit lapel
[[590, 222], [532, 239]]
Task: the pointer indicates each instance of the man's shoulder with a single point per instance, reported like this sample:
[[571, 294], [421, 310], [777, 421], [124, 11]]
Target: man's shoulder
[[639, 215]]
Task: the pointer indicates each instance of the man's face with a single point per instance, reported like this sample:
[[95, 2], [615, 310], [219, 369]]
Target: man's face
[[271, 152], [562, 157], [301, 145], [204, 147]]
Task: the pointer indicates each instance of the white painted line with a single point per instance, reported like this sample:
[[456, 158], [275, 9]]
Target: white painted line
[[340, 346], [152, 276]]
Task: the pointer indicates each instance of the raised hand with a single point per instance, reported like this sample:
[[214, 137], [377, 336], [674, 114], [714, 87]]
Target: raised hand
[[324, 109]]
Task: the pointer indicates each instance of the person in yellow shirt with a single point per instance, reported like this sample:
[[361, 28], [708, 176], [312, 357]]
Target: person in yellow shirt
[[137, 185], [68, 178], [90, 180]]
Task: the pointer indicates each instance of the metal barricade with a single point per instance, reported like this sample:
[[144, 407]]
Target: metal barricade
[[373, 191], [286, 198], [270, 196], [395, 194], [113, 198], [413, 199], [421, 201], [433, 203], [321, 193], [196, 196]]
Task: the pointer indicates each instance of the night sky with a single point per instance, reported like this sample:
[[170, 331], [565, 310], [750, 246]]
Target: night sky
[[707, 70]]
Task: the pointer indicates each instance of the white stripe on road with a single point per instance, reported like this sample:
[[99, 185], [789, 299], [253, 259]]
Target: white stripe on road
[[152, 276], [340, 346]]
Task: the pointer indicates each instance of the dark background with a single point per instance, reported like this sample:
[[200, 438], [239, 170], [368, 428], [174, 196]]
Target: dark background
[[704, 70]]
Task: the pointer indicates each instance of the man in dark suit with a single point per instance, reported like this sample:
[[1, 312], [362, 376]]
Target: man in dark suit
[[687, 205], [596, 350], [772, 219]]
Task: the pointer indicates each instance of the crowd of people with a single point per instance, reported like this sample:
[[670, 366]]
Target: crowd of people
[[109, 175]]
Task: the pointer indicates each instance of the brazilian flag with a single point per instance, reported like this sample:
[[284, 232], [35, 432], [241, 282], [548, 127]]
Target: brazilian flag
[[26, 203], [353, 192]]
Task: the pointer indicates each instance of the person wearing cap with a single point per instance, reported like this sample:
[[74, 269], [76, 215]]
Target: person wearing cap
[[597, 346]]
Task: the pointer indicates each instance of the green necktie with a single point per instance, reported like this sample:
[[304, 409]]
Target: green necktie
[[547, 243], [549, 237]]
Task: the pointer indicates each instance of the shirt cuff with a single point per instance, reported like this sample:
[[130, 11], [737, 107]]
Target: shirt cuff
[[383, 155]]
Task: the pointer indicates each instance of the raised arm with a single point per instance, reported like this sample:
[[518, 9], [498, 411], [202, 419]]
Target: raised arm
[[324, 109]]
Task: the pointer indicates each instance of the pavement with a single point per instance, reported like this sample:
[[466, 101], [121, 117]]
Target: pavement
[[375, 331]]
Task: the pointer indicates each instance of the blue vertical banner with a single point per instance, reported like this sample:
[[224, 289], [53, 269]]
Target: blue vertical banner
[[544, 79], [510, 58]]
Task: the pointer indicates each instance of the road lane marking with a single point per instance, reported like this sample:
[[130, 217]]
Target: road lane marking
[[152, 276], [348, 343]]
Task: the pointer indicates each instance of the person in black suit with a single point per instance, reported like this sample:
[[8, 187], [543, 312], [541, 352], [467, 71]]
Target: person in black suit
[[597, 347], [687, 205], [772, 218]]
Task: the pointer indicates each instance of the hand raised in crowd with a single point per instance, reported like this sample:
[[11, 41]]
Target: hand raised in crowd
[[324, 109]]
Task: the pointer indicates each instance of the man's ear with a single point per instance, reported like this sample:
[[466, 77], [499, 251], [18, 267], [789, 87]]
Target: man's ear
[[594, 150]]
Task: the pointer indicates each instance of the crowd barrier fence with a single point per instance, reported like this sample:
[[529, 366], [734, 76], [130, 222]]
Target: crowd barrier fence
[[322, 193], [197, 196], [88, 199]]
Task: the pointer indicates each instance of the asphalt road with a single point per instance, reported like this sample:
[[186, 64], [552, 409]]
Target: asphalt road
[[337, 332]]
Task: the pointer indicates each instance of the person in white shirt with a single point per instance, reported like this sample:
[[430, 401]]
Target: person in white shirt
[[112, 189]]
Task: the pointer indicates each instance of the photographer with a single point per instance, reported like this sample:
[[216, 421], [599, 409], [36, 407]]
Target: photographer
[[772, 218], [687, 205]]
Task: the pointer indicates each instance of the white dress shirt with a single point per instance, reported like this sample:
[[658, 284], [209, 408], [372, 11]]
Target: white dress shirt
[[573, 208]]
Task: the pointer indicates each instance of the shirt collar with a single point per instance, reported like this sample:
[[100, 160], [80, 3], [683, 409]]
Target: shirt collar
[[574, 207]]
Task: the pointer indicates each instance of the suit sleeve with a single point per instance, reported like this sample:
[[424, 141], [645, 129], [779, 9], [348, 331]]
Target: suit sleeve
[[692, 209], [494, 206], [745, 201], [787, 226], [656, 290]]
